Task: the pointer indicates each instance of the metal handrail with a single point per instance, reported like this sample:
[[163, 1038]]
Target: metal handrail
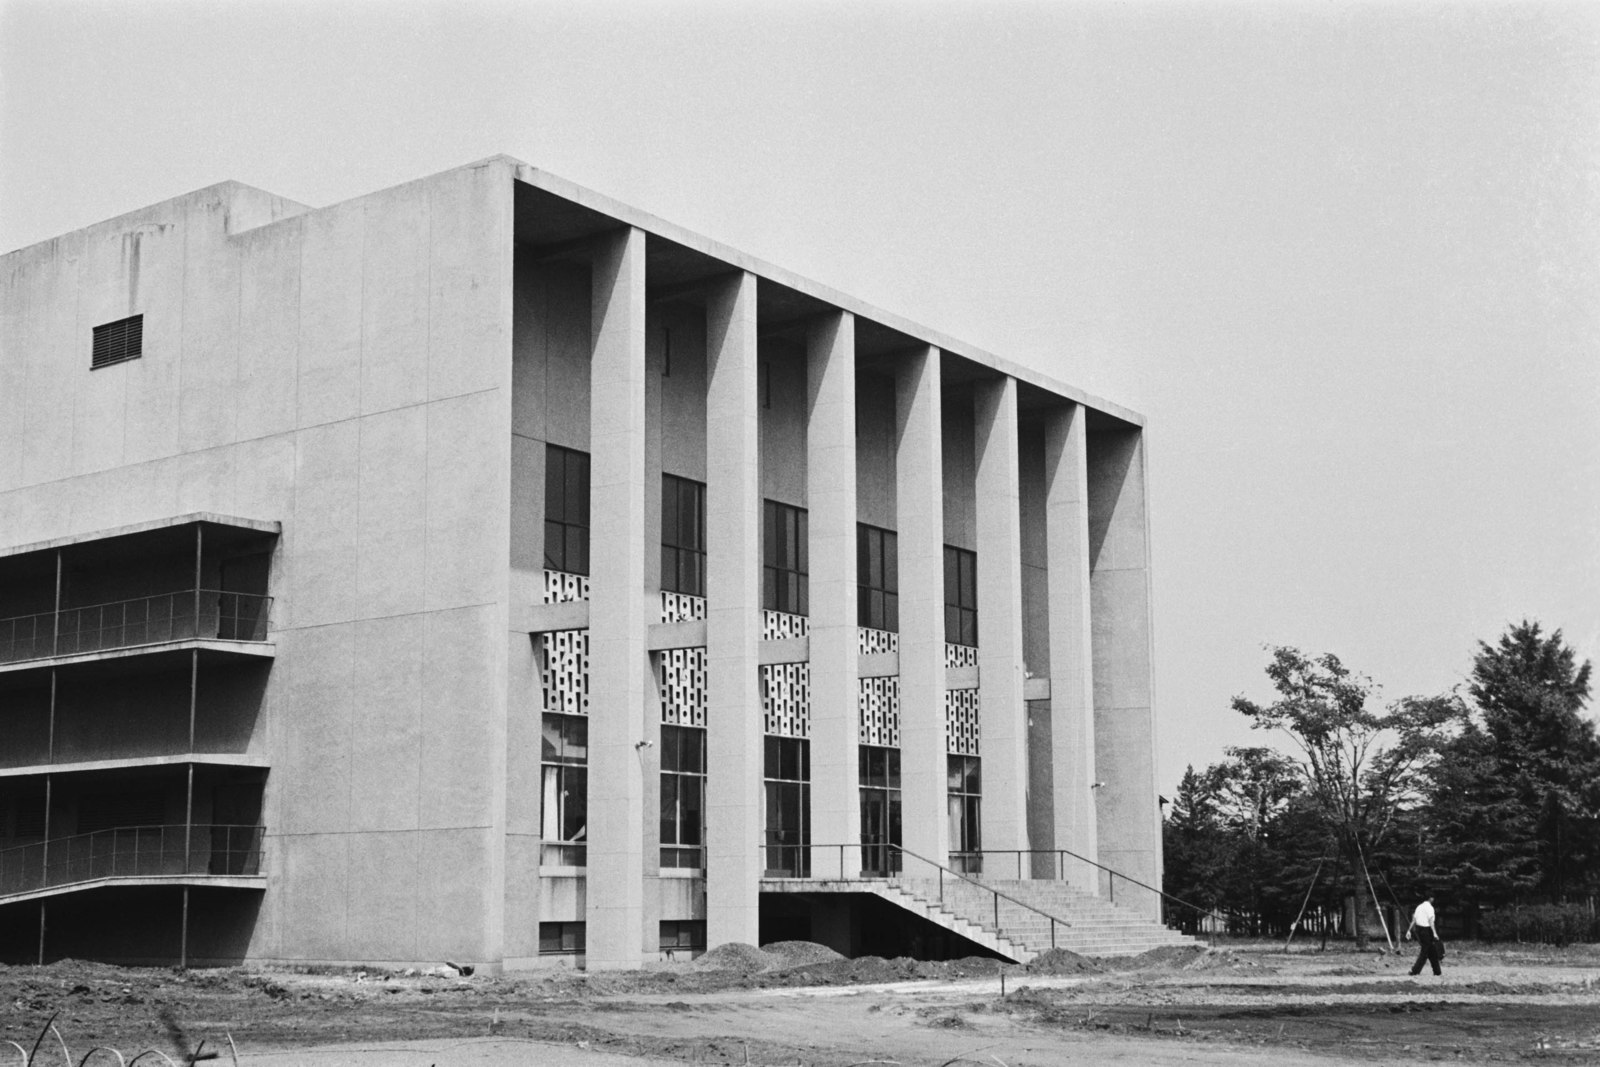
[[131, 851], [995, 894], [175, 616], [1114, 873]]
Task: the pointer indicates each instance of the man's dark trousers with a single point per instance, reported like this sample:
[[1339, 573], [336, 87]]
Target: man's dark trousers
[[1425, 951]]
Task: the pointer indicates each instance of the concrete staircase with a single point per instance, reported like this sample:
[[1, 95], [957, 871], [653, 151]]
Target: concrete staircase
[[1090, 925]]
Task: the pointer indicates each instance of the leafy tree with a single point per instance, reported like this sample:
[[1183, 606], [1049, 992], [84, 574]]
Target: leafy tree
[[1360, 767], [1515, 802]]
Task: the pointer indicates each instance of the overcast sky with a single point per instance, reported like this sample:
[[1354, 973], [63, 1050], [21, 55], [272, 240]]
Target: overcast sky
[[1345, 258]]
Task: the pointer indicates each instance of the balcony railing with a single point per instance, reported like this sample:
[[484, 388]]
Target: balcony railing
[[131, 851], [148, 620]]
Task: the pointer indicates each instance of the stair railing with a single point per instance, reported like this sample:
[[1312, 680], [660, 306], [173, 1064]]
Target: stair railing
[[1060, 855], [896, 872]]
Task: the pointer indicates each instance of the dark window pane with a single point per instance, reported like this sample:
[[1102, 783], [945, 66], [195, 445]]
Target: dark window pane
[[578, 489], [670, 532], [695, 580], [555, 473], [669, 809], [689, 799], [769, 534], [891, 562], [555, 555], [575, 813]]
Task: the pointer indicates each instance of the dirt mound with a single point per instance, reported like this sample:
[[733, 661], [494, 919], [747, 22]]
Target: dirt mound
[[1061, 961], [733, 956], [799, 953]]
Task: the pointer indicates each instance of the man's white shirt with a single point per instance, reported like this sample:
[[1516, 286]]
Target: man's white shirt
[[1423, 916]]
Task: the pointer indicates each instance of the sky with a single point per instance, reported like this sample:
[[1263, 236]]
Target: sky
[[1343, 257]]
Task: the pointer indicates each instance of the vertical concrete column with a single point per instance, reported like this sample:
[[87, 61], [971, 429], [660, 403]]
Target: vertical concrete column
[[733, 616], [1002, 711], [1066, 519], [831, 502], [919, 490], [1128, 816], [618, 661]]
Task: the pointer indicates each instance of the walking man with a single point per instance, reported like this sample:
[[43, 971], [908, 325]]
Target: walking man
[[1430, 947]]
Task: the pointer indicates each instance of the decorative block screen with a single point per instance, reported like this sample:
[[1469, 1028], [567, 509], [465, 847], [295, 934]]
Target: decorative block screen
[[683, 686], [786, 699], [681, 607], [960, 655], [961, 722], [878, 700], [872, 642], [778, 625], [561, 587], [564, 671]]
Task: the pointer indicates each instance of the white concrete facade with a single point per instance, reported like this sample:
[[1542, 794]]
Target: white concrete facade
[[368, 398]]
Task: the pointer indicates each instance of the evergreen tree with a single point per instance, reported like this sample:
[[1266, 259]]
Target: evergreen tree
[[1515, 802]]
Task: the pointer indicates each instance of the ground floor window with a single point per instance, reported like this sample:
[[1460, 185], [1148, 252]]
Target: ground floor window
[[564, 796], [683, 791], [560, 939], [788, 807], [880, 810], [683, 935], [964, 788]]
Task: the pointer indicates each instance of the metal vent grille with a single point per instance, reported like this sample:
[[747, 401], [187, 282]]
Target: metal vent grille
[[118, 342]]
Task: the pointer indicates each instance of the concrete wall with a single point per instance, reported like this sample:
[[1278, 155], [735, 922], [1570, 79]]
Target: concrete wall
[[960, 475], [875, 450], [343, 371], [782, 405]]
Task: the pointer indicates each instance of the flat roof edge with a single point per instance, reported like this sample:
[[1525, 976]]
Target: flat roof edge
[[632, 216], [215, 518]]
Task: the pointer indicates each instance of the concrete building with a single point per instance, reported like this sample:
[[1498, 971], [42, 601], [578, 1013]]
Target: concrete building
[[485, 570]]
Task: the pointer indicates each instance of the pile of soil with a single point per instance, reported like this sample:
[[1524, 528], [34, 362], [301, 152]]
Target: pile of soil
[[1062, 961], [798, 954], [733, 956]]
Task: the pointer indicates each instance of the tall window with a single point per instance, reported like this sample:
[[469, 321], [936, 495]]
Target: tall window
[[565, 764], [880, 809], [683, 536], [783, 578], [683, 791], [964, 788], [877, 578], [566, 510], [788, 801], [960, 596]]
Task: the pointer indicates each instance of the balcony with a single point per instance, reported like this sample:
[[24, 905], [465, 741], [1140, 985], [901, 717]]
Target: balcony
[[203, 614], [172, 854]]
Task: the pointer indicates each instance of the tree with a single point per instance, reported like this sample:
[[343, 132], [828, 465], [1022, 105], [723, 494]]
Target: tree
[[1360, 767], [1195, 845], [1515, 804]]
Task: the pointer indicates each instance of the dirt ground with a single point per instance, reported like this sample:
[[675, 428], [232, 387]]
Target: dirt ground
[[800, 1004]]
